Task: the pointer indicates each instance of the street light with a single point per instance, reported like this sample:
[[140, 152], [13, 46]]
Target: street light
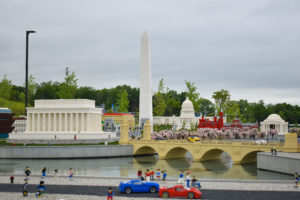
[[26, 74]]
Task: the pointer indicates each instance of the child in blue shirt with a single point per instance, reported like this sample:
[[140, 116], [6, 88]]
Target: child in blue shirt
[[109, 194], [164, 175]]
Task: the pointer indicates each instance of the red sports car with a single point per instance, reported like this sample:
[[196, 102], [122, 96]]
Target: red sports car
[[180, 191]]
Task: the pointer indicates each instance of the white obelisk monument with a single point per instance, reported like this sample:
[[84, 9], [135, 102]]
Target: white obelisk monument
[[145, 112]]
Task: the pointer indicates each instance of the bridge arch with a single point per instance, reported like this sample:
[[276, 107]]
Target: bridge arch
[[145, 150], [177, 152], [213, 154], [250, 157]]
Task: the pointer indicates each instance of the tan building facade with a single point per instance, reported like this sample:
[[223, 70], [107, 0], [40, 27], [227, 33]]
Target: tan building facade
[[120, 118]]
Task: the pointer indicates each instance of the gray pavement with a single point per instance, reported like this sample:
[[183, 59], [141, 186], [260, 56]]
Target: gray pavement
[[95, 188]]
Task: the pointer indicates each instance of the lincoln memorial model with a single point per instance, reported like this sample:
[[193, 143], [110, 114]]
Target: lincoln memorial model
[[63, 119]]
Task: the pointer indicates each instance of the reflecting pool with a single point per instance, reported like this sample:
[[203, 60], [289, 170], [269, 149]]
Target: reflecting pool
[[128, 166]]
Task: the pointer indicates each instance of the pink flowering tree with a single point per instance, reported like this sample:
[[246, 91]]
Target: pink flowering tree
[[273, 132], [261, 134]]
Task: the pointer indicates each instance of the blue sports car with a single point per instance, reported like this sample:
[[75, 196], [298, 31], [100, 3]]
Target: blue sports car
[[138, 186]]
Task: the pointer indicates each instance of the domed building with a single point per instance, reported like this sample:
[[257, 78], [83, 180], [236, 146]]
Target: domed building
[[186, 120], [187, 115], [275, 122]]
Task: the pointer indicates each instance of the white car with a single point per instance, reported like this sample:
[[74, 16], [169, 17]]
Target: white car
[[260, 141]]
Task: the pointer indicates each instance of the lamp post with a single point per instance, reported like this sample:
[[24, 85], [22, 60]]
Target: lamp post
[[26, 74]]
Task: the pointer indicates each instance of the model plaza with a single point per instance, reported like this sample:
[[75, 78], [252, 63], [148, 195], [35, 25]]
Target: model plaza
[[61, 119]]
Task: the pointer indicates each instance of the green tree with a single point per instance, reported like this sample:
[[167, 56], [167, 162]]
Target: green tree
[[232, 110], [221, 98], [192, 94], [5, 88], [123, 101], [67, 89], [47, 90], [206, 107], [32, 86], [159, 103]]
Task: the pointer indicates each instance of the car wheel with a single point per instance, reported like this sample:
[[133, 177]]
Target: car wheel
[[191, 195], [152, 189], [128, 190], [165, 194]]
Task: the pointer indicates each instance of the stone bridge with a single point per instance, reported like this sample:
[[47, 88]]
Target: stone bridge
[[240, 152]]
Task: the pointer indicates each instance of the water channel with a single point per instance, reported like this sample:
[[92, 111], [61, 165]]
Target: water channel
[[128, 166]]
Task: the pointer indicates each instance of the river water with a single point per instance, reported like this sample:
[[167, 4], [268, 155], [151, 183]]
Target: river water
[[128, 166]]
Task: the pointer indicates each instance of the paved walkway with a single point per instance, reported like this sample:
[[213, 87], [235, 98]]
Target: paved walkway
[[284, 154], [206, 184], [91, 188]]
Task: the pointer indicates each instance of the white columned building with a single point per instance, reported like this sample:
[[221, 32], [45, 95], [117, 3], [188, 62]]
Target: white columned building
[[275, 122], [63, 119]]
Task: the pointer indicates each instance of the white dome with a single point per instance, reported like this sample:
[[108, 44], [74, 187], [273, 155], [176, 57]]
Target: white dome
[[187, 109], [274, 118]]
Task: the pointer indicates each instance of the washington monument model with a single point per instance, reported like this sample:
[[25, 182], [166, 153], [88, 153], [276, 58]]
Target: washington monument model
[[145, 111]]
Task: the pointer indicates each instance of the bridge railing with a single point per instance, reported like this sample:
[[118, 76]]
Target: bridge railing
[[250, 143]]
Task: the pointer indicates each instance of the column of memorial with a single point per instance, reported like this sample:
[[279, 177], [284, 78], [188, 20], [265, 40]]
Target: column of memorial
[[29, 122], [82, 124], [60, 122], [71, 122], [33, 122], [76, 124], [39, 122], [49, 122], [66, 124], [54, 124], [44, 122]]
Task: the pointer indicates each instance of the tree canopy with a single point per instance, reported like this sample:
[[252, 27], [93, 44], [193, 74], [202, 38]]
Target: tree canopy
[[166, 102]]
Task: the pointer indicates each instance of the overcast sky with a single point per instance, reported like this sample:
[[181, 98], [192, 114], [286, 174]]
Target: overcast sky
[[251, 48]]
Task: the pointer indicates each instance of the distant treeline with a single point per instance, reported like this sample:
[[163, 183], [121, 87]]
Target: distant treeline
[[125, 98]]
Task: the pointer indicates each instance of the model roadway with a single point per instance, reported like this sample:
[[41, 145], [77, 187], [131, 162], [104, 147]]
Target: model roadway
[[101, 191]]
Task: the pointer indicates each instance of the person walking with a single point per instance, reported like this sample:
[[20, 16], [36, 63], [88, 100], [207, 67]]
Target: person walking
[[188, 179], [158, 173], [56, 173], [12, 178], [152, 175], [296, 180], [41, 189], [275, 150], [195, 183], [165, 176], [25, 187], [140, 173], [27, 172], [71, 174], [180, 179], [43, 170], [109, 194], [147, 175]]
